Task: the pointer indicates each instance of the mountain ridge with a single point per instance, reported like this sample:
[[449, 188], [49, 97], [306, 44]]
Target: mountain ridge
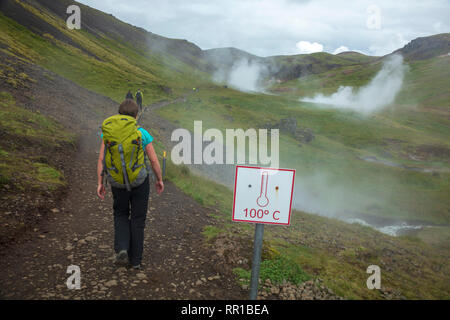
[[282, 67]]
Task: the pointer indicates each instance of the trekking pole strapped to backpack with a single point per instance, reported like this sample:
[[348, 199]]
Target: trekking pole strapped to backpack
[[124, 168]]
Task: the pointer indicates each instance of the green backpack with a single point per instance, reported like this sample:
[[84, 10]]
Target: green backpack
[[124, 161]]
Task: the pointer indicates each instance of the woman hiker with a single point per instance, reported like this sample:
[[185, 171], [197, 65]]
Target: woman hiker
[[131, 194]]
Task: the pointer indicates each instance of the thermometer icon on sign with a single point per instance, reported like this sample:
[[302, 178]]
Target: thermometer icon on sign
[[262, 200]]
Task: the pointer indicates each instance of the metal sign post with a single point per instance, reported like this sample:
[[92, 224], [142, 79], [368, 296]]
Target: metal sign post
[[262, 195], [257, 250]]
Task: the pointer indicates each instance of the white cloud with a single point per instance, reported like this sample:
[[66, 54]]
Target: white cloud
[[341, 49], [308, 47]]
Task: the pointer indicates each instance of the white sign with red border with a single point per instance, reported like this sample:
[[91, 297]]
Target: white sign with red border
[[263, 195]]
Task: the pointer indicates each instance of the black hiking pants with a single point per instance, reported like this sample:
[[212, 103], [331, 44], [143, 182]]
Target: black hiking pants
[[130, 211]]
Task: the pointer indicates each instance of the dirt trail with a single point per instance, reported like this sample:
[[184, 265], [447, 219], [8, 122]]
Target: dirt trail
[[176, 263], [79, 231]]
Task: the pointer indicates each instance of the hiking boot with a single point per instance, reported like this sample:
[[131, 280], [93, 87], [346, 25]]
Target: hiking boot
[[136, 267], [122, 258]]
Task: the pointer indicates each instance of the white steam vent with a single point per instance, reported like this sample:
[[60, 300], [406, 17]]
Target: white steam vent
[[379, 93]]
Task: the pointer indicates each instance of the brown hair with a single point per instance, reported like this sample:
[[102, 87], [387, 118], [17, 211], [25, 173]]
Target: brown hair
[[129, 108]]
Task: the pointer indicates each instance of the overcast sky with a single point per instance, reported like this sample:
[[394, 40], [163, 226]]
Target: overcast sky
[[277, 27]]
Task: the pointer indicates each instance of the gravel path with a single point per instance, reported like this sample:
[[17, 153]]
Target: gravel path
[[176, 263]]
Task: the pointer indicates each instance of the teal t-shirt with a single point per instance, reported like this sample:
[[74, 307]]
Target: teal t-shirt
[[146, 137]]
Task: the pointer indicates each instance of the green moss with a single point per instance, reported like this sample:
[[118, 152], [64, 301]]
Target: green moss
[[17, 166], [3, 153], [48, 174], [277, 271], [211, 232], [31, 125]]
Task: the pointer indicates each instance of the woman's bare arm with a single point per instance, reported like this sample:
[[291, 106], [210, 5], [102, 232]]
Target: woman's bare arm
[[101, 191], [155, 167], [100, 163]]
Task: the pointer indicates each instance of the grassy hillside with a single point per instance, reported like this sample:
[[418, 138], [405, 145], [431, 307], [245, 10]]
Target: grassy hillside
[[107, 65], [426, 47], [29, 169], [329, 249], [25, 135], [413, 132], [425, 84], [341, 140], [302, 65]]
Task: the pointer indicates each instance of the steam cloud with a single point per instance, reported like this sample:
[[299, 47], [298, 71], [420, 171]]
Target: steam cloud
[[379, 93], [244, 75], [322, 194]]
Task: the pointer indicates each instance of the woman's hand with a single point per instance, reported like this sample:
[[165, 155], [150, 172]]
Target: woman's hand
[[159, 186], [101, 191]]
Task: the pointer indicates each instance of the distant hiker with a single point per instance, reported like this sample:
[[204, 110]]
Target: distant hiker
[[139, 98], [123, 163], [129, 95]]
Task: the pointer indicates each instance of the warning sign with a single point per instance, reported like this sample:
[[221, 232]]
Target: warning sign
[[263, 195]]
